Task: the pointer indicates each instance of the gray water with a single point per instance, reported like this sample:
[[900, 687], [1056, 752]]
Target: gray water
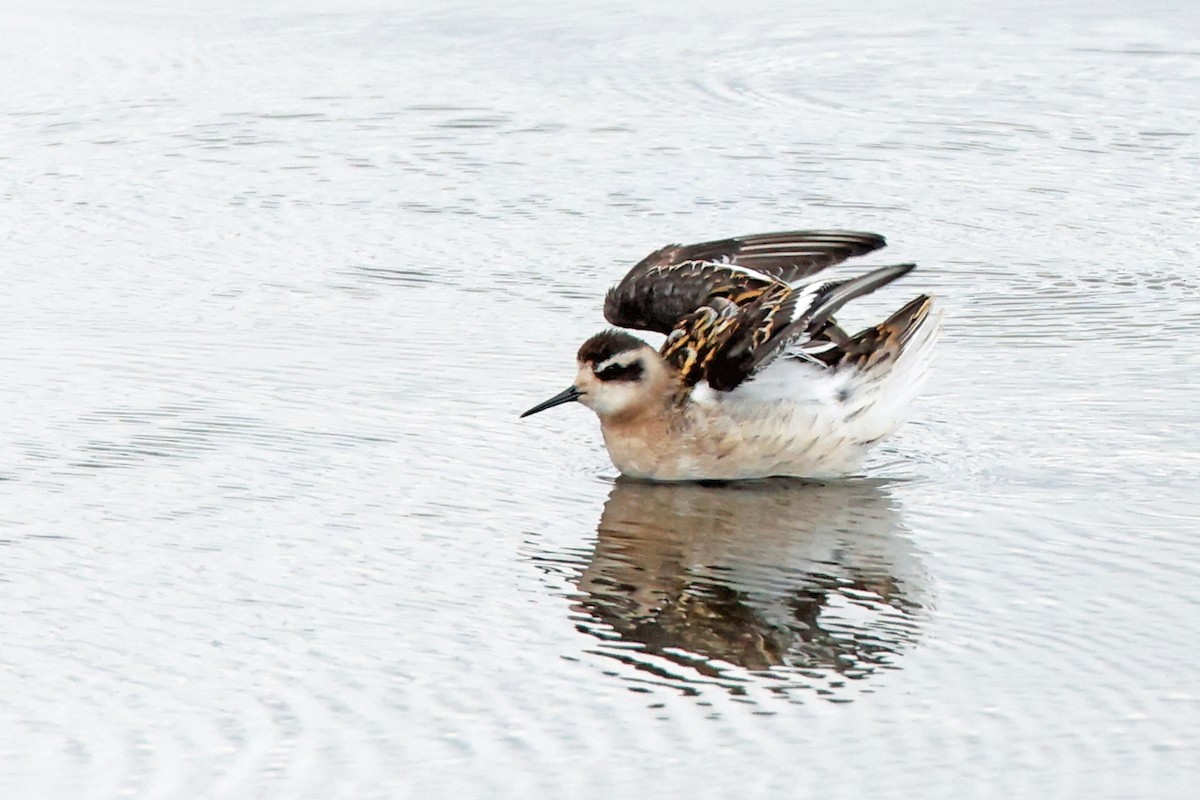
[[277, 281]]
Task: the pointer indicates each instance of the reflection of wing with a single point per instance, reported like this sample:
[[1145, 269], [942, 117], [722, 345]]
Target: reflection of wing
[[777, 576], [730, 306], [674, 281]]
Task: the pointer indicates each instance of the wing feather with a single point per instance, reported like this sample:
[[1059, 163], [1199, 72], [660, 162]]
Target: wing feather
[[730, 306], [814, 316], [675, 280]]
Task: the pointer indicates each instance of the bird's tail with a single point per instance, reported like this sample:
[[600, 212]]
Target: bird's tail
[[887, 365], [907, 335]]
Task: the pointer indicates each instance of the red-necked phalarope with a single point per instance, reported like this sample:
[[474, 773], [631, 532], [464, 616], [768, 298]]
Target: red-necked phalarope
[[755, 378]]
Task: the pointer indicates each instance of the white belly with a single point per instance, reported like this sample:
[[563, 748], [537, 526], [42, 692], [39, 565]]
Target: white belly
[[822, 426]]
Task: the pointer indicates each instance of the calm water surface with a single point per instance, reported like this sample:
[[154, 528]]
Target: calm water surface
[[277, 281]]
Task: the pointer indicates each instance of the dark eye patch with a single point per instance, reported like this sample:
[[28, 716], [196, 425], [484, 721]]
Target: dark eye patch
[[621, 372]]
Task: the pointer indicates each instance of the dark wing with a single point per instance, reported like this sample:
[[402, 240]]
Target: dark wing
[[726, 343], [669, 284], [880, 343]]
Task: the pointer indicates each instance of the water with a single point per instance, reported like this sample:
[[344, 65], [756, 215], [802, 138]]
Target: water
[[277, 281]]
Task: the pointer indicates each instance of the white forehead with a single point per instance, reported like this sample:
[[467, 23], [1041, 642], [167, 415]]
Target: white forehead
[[620, 359]]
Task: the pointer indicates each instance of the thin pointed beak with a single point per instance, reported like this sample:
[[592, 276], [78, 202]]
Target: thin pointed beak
[[565, 396]]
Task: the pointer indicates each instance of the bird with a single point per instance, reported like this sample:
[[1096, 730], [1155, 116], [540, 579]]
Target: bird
[[755, 378]]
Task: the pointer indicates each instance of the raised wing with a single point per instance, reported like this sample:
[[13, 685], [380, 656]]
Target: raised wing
[[671, 283], [726, 343]]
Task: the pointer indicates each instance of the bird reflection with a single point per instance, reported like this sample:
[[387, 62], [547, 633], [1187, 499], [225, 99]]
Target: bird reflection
[[778, 583]]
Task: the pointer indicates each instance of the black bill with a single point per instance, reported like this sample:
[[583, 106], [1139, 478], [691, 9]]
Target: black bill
[[565, 396]]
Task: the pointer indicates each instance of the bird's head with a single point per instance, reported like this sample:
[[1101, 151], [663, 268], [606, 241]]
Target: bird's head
[[618, 374]]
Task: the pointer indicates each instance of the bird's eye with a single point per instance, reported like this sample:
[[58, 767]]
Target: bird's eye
[[616, 372]]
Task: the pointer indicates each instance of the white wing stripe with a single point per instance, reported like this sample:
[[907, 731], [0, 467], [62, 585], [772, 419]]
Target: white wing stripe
[[702, 266]]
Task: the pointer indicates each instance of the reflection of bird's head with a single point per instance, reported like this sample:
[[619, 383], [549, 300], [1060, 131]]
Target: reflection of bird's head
[[617, 373]]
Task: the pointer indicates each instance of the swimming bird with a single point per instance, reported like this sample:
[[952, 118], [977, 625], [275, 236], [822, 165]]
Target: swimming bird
[[755, 377]]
